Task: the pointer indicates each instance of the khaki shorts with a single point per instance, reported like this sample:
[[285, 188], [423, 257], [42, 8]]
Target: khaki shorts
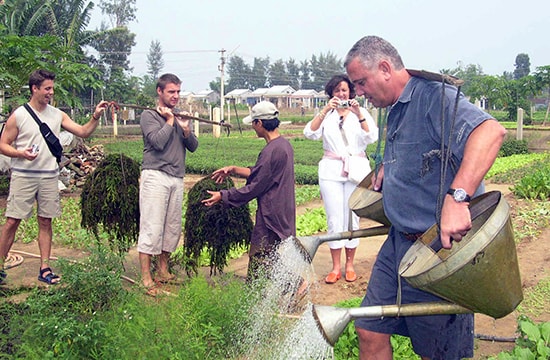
[[160, 203], [24, 191]]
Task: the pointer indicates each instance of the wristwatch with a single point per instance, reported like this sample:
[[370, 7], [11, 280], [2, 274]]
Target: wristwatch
[[459, 195]]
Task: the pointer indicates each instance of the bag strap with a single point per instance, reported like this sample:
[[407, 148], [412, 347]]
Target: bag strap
[[40, 125], [34, 116], [341, 126]]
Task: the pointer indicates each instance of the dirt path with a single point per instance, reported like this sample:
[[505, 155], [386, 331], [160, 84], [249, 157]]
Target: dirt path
[[533, 258]]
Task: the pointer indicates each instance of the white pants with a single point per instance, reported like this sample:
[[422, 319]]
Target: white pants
[[160, 204], [335, 196]]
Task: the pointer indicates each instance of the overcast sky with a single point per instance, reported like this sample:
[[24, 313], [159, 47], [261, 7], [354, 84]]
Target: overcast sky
[[429, 34]]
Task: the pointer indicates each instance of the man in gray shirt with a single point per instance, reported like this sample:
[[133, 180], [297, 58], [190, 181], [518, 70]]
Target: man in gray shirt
[[166, 139]]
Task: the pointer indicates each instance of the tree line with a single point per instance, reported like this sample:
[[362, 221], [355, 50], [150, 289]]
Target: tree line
[[54, 35], [498, 92], [93, 64]]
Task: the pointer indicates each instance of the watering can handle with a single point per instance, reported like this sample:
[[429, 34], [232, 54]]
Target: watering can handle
[[476, 209]]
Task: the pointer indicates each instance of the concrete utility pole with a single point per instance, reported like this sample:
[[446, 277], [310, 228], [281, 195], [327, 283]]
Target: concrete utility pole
[[222, 95]]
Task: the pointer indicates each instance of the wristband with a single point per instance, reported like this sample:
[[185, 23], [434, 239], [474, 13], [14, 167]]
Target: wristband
[[362, 120]]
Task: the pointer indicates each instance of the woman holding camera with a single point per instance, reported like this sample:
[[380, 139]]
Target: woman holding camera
[[346, 129]]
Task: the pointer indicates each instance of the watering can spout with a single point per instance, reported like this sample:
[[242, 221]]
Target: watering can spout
[[308, 245], [332, 321]]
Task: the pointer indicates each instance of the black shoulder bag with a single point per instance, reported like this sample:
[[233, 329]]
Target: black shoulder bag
[[53, 142]]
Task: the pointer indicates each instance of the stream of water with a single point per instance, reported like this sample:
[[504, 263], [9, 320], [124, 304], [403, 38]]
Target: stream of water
[[280, 321]]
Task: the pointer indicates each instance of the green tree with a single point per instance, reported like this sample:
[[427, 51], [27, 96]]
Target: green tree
[[518, 92], [216, 85], [468, 73], [305, 75], [522, 66], [120, 12], [114, 47], [278, 74], [542, 77], [293, 70], [22, 17], [239, 74], [489, 88], [260, 68], [148, 91], [323, 67], [155, 63], [66, 19], [20, 55]]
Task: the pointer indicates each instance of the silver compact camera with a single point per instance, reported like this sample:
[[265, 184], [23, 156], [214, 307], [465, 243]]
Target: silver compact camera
[[344, 104], [34, 149]]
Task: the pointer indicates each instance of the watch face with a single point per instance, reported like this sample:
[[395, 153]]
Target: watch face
[[460, 195]]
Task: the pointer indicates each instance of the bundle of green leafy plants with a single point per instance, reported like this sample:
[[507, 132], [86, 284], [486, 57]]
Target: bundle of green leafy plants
[[218, 229], [110, 197]]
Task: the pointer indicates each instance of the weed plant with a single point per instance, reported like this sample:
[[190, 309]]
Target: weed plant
[[66, 321], [536, 300], [512, 147], [306, 193], [533, 341], [10, 328], [201, 322], [510, 168], [531, 218], [311, 222], [94, 316], [536, 184]]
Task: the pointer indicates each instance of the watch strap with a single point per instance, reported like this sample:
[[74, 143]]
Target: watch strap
[[452, 192]]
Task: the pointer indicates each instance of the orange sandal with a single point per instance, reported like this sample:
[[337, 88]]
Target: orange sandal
[[351, 276], [332, 278]]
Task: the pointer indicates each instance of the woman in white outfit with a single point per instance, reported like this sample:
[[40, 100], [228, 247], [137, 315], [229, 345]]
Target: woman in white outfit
[[346, 130]]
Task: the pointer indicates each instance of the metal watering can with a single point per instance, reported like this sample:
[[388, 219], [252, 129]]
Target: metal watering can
[[308, 245], [367, 203], [479, 274], [364, 203], [332, 321]]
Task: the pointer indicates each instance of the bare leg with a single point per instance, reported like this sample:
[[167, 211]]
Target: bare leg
[[374, 346], [45, 243], [164, 273], [335, 274], [350, 256], [145, 263], [336, 264], [7, 238]]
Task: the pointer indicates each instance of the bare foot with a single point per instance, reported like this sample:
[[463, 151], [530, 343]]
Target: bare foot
[[164, 277]]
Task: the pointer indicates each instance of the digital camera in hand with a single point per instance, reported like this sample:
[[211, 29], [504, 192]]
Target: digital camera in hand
[[344, 104]]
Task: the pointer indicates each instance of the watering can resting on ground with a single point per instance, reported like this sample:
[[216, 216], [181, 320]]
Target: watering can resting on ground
[[479, 274]]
